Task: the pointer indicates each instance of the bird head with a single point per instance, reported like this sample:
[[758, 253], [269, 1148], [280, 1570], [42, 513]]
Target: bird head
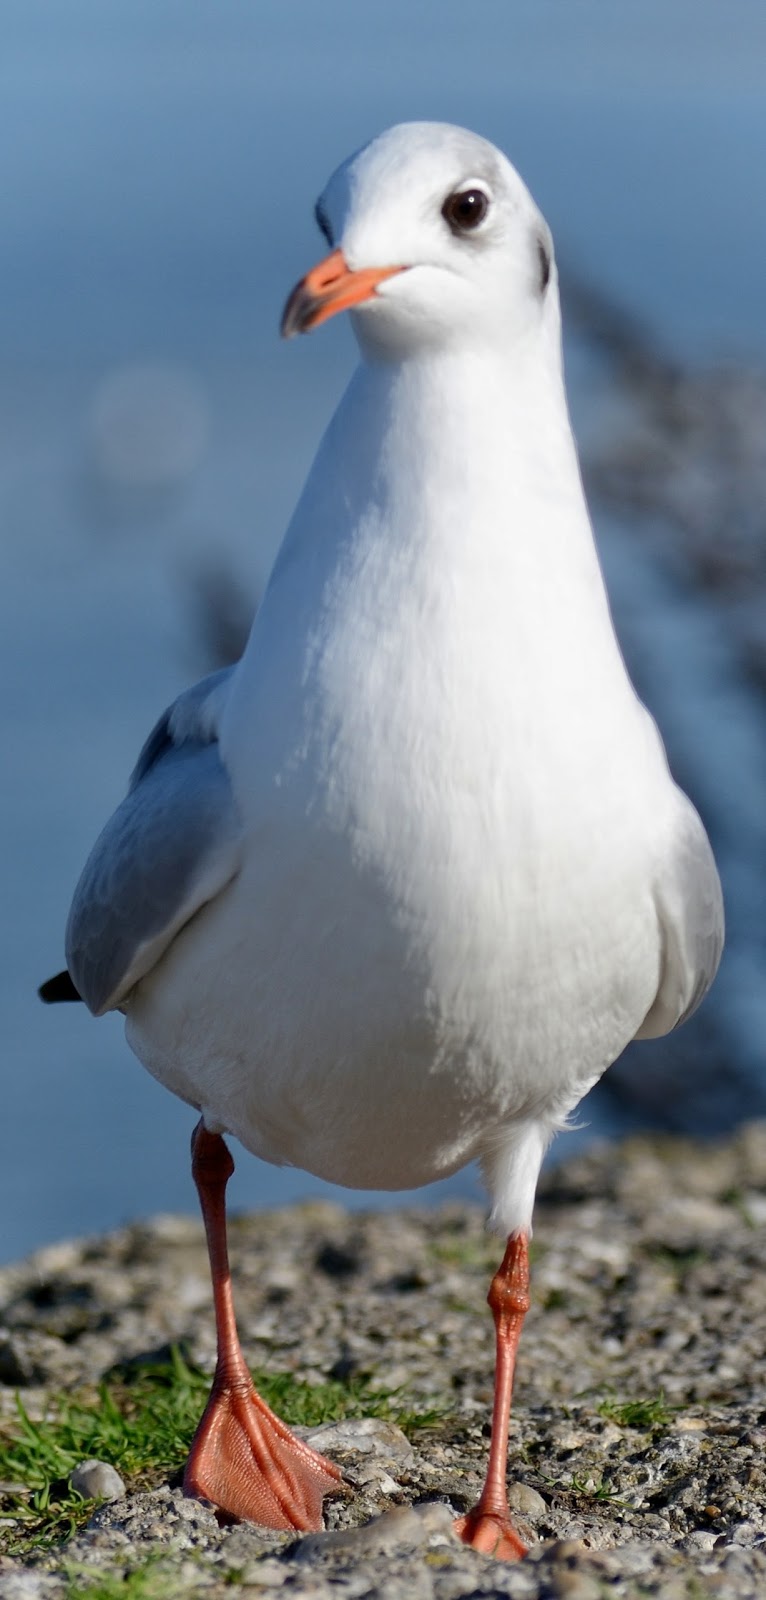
[[433, 238]]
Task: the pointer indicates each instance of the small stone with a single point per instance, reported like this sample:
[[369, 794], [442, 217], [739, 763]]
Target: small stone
[[575, 1585], [526, 1500], [369, 1436], [741, 1533], [97, 1480], [569, 1572], [28, 1585], [700, 1539], [266, 1574], [387, 1484], [197, 1511], [406, 1527], [567, 1549], [246, 1544], [375, 1476], [571, 1439]]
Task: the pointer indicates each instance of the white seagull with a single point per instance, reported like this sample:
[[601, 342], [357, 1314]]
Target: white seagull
[[391, 894]]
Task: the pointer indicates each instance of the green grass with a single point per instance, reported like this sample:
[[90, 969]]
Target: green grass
[[642, 1414], [150, 1580], [592, 1489], [142, 1422], [587, 1488]]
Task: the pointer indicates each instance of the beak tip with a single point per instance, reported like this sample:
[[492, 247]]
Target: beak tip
[[329, 287], [297, 312]]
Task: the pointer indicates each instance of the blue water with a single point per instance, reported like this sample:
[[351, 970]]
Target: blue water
[[158, 166]]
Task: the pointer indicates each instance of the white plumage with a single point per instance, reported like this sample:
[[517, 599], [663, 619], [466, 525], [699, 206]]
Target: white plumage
[[460, 878]]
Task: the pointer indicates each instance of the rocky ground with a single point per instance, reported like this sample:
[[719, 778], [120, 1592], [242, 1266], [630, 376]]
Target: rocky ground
[[638, 1434]]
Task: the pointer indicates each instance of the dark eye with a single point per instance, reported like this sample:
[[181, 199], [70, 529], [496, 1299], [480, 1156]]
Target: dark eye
[[465, 209], [323, 225]]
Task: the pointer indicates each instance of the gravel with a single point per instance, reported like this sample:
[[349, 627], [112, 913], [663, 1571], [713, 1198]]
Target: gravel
[[647, 1281]]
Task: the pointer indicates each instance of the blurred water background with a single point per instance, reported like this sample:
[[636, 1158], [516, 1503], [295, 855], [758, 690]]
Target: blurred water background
[[159, 160]]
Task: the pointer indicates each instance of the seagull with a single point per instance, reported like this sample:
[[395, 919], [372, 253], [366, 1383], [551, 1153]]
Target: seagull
[[392, 893]]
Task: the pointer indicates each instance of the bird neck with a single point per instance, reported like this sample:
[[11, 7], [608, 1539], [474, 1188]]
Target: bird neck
[[443, 538], [462, 456], [449, 483]]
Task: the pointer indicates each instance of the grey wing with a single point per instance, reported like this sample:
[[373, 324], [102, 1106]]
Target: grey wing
[[192, 719], [171, 846], [691, 918]]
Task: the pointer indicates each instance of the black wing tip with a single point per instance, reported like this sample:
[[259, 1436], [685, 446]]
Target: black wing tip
[[59, 988]]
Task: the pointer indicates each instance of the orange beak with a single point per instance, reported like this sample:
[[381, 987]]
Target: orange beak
[[330, 286]]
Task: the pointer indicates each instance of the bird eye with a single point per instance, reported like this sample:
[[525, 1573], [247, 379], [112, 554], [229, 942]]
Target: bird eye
[[465, 209]]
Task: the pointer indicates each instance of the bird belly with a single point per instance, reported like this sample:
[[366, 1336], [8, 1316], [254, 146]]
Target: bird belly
[[331, 1022]]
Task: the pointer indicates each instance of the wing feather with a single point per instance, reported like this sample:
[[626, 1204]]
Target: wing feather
[[171, 846], [690, 909]]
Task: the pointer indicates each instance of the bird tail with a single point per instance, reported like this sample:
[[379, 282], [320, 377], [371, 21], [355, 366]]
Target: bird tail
[[59, 988]]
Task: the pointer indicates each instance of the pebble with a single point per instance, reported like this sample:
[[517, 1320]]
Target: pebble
[[97, 1480], [405, 1526], [264, 1574], [366, 1435], [28, 1586], [526, 1501], [699, 1540]]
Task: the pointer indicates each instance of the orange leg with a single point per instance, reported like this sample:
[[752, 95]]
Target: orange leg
[[243, 1458], [488, 1525]]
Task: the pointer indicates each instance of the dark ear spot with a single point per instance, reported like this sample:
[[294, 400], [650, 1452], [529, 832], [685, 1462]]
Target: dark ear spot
[[323, 225], [544, 264]]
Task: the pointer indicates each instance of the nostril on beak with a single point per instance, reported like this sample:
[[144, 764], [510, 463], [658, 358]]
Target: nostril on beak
[[330, 270]]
